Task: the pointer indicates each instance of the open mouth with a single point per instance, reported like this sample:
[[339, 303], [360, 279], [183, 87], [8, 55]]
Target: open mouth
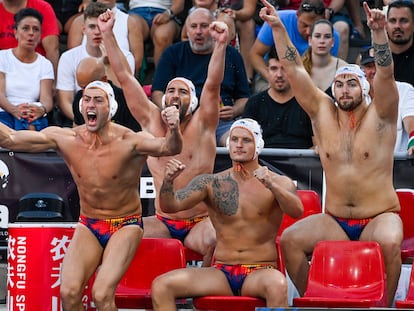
[[91, 115]]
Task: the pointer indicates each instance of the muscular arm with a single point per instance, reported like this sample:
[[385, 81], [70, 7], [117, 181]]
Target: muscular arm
[[386, 93], [283, 190], [27, 141], [210, 95], [306, 93], [143, 110], [172, 201]]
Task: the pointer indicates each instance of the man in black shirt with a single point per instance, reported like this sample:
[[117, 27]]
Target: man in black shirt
[[400, 29], [285, 124]]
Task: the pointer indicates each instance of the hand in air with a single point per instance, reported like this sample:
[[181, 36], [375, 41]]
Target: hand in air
[[269, 14], [219, 31], [171, 117], [173, 169], [106, 20], [375, 18]]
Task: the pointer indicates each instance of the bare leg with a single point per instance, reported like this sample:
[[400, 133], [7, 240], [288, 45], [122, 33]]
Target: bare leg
[[386, 229], [202, 239]]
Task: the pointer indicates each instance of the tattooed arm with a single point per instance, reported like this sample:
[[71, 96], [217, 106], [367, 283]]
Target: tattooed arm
[[386, 94], [172, 200], [307, 94], [283, 190]]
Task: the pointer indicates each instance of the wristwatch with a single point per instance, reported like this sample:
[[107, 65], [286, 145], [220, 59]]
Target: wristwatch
[[171, 13]]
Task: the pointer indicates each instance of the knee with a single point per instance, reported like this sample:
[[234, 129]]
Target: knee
[[277, 291], [160, 288], [71, 294], [102, 296]]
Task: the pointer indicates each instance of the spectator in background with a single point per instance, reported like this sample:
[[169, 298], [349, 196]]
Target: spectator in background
[[405, 123], [190, 59], [348, 24], [318, 60], [26, 77], [49, 42], [93, 69], [285, 124], [127, 32], [298, 24], [66, 11], [157, 19], [400, 29], [242, 12], [66, 84]]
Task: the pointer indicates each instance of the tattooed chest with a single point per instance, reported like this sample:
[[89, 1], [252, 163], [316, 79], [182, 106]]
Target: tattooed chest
[[226, 195]]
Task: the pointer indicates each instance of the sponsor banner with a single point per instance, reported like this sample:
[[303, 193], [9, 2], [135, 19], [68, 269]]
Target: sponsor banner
[[23, 173]]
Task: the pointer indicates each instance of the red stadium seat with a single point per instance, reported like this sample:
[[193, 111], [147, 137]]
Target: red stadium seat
[[408, 302], [345, 274], [311, 205], [406, 197], [228, 303], [153, 257]]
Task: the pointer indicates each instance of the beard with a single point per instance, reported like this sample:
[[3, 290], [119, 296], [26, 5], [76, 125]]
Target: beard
[[202, 48], [349, 105], [401, 40]]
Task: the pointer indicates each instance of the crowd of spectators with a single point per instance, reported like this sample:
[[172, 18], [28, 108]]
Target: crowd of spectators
[[163, 39]]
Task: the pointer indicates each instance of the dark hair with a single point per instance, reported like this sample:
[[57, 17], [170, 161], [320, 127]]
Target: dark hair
[[94, 9], [315, 6], [273, 53], [27, 12], [401, 4]]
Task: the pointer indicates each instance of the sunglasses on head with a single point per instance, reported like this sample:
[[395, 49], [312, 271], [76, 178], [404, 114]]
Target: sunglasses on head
[[306, 7]]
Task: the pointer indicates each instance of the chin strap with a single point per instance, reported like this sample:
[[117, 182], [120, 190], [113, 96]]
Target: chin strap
[[95, 138], [352, 120], [239, 168]]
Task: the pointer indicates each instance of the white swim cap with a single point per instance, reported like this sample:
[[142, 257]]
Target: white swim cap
[[107, 88], [254, 128], [354, 70], [193, 96]]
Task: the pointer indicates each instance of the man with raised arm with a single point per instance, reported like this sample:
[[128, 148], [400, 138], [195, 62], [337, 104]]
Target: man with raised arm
[[198, 125], [246, 204], [105, 160], [356, 148]]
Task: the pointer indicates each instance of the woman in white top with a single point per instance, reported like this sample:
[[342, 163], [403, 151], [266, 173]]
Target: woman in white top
[[318, 60], [26, 77]]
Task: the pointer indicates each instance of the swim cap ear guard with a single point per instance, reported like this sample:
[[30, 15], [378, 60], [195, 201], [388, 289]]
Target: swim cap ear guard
[[254, 128], [193, 96], [358, 73], [106, 87]]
